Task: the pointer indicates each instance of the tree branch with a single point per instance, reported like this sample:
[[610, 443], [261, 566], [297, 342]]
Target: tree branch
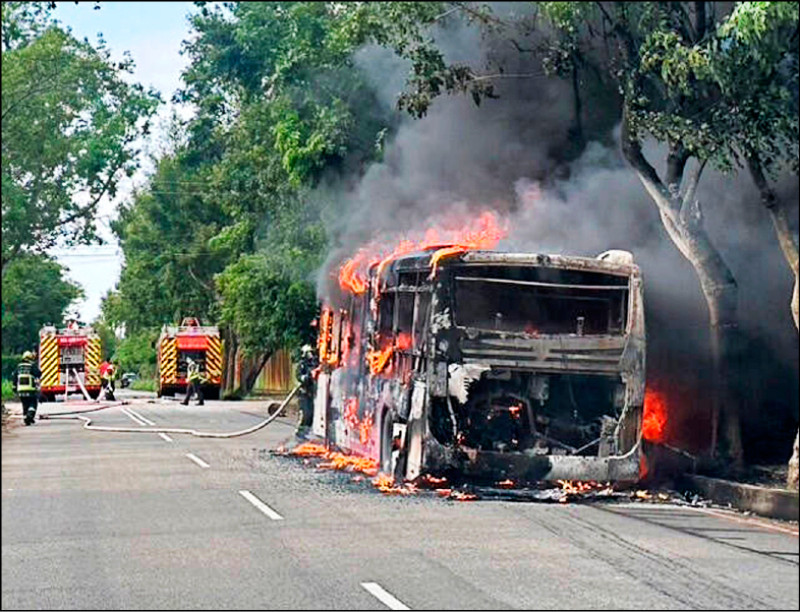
[[632, 150], [700, 19], [499, 75], [198, 281], [691, 186], [676, 163], [82, 212]]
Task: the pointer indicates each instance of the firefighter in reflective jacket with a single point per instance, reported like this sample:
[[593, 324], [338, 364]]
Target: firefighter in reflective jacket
[[26, 384], [108, 372], [306, 376], [195, 382]]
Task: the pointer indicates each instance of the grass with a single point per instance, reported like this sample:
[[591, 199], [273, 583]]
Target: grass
[[8, 390], [143, 384]]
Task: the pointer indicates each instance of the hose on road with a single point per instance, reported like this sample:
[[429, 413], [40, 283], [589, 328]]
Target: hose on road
[[87, 423], [58, 414]]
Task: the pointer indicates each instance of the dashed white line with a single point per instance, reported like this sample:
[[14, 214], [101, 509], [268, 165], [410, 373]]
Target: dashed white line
[[137, 420], [261, 505], [385, 596], [197, 460], [140, 416], [165, 437]]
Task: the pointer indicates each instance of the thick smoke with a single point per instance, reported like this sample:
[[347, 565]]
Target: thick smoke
[[511, 155]]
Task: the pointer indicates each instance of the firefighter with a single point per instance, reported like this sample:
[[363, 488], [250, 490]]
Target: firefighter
[[306, 376], [26, 384], [195, 382], [107, 374]]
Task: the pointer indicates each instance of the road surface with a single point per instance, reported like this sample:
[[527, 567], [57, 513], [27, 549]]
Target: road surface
[[108, 521]]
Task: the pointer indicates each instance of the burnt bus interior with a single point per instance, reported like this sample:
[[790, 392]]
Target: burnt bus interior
[[519, 408], [537, 300]]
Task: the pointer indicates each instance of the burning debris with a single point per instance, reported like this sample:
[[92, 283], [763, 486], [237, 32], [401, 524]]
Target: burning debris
[[561, 492]]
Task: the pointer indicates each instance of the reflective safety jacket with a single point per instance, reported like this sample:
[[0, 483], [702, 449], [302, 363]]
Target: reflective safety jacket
[[194, 373], [27, 379], [108, 373]]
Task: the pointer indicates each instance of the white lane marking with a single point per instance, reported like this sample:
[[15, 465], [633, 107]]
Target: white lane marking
[[165, 437], [197, 460], [141, 416], [135, 419], [261, 505], [385, 596]]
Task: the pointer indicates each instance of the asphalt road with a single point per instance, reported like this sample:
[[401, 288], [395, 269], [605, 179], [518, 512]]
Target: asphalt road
[[110, 521]]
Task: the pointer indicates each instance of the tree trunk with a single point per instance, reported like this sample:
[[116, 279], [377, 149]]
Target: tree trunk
[[231, 350], [682, 217], [250, 369], [788, 244]]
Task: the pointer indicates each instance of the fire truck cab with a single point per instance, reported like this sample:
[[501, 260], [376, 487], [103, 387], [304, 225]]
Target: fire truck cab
[[68, 359], [177, 344]]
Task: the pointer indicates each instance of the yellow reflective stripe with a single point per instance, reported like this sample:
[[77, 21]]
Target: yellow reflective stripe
[[214, 357], [169, 361], [93, 354], [48, 361]]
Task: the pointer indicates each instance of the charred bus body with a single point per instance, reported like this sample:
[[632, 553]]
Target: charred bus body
[[495, 365]]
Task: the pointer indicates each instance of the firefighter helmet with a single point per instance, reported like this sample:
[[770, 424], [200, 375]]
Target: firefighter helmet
[[306, 350], [28, 356]]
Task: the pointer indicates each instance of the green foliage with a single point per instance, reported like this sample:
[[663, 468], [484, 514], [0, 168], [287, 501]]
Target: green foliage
[[225, 229], [164, 234], [8, 390], [265, 306], [10, 363], [35, 293], [144, 384], [108, 339], [136, 353], [69, 124]]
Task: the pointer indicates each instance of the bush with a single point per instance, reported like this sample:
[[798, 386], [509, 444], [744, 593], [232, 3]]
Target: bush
[[8, 390], [143, 384], [137, 353], [9, 366]]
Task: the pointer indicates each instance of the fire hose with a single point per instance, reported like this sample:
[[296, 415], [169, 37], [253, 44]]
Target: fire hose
[[87, 423]]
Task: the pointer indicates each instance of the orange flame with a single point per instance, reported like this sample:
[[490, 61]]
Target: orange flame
[[403, 341], [377, 359], [485, 233], [336, 460], [654, 420]]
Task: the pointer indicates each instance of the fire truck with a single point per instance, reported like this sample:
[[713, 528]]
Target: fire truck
[[178, 344], [69, 359]]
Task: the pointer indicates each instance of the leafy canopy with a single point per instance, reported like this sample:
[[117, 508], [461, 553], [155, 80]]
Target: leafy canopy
[[69, 126]]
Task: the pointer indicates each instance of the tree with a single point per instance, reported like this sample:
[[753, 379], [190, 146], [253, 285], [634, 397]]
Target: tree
[[279, 105], [266, 308], [35, 293], [69, 126]]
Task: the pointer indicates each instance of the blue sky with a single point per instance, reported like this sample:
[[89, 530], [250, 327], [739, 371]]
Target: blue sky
[[152, 32]]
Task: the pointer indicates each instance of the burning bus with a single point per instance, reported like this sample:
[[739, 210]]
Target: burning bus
[[495, 365]]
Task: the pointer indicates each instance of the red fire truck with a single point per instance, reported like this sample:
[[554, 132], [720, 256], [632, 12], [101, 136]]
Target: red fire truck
[[69, 359], [177, 344]]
